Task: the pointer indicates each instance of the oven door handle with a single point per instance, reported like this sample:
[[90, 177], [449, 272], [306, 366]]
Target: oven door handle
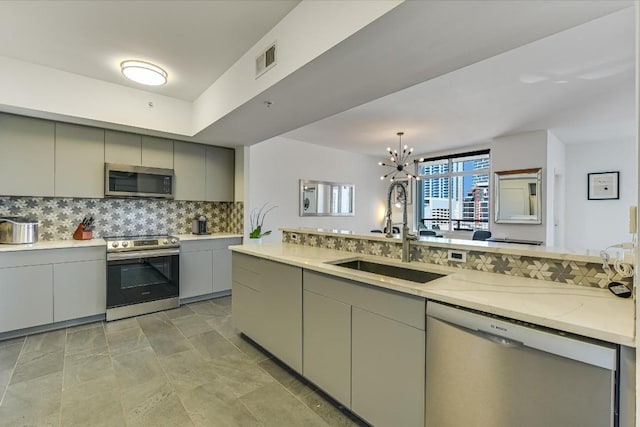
[[116, 256]]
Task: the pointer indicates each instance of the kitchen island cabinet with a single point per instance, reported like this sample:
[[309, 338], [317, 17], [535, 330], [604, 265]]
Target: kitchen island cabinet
[[267, 306]]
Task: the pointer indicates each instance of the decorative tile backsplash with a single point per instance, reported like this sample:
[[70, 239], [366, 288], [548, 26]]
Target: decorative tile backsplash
[[554, 270], [59, 217]]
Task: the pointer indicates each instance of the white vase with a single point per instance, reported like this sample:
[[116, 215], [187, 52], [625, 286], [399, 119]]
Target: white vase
[[255, 240]]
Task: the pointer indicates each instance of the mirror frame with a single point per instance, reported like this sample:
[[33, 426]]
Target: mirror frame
[[306, 182], [535, 175]]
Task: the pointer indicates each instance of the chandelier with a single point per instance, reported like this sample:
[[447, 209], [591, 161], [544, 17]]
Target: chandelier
[[399, 162]]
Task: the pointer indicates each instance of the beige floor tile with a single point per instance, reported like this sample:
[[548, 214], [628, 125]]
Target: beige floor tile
[[192, 325], [224, 301], [86, 366], [153, 324], [154, 403], [12, 341], [213, 345], [239, 374], [35, 365], [282, 374], [93, 403], [176, 313], [86, 339], [119, 325], [211, 404], [123, 341], [170, 341], [32, 403], [224, 326], [136, 367], [274, 406], [46, 342], [9, 356], [187, 370], [330, 410], [209, 309]]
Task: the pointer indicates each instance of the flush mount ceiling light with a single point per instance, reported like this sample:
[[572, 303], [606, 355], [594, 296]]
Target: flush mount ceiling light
[[144, 73], [400, 164]]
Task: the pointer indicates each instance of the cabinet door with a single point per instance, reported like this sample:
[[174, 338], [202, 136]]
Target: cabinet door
[[196, 273], [157, 152], [122, 148], [189, 165], [220, 174], [388, 370], [222, 265], [26, 297], [79, 161], [327, 345], [26, 162], [79, 289]]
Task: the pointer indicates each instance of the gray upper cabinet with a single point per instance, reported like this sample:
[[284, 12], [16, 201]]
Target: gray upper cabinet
[[157, 152], [122, 148], [220, 169], [189, 164], [79, 153], [26, 163]]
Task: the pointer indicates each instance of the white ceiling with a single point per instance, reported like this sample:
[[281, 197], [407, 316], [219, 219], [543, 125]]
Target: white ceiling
[[579, 83], [194, 41], [453, 82]]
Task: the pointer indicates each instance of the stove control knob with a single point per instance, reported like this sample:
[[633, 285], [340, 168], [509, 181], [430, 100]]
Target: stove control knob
[[174, 241], [125, 244], [115, 244], [165, 242]]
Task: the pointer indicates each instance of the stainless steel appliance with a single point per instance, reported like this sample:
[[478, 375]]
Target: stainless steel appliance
[[142, 275], [199, 225], [137, 181], [484, 371], [17, 230]]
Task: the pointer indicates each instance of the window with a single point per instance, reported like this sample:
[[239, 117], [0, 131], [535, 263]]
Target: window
[[453, 192]]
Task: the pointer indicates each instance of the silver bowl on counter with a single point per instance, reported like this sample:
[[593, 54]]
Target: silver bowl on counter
[[16, 230]]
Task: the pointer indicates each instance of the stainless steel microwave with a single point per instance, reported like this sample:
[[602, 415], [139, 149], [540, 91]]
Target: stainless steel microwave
[[137, 181]]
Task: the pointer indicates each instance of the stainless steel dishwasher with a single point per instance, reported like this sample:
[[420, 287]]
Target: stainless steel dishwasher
[[485, 371]]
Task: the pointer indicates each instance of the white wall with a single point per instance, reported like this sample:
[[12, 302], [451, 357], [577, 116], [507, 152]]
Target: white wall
[[275, 167], [556, 157], [521, 151], [596, 224]]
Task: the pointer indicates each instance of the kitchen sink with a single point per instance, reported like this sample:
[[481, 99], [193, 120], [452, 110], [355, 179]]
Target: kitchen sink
[[418, 276]]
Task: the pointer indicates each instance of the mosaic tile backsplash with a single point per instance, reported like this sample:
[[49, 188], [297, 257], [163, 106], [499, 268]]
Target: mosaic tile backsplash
[[59, 217], [553, 270]]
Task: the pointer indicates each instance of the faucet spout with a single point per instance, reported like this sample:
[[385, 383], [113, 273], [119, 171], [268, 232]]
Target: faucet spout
[[406, 248]]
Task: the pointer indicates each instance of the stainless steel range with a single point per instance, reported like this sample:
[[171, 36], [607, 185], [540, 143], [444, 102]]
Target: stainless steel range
[[142, 275]]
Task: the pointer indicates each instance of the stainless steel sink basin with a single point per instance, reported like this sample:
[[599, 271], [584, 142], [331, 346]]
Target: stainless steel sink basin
[[418, 276]]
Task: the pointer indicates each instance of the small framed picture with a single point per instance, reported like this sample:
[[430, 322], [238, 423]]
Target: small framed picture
[[603, 186], [398, 196]]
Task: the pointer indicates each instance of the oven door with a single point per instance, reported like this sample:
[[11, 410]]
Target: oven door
[[142, 276]]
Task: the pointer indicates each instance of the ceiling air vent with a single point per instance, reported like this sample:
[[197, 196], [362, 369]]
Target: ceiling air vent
[[266, 60]]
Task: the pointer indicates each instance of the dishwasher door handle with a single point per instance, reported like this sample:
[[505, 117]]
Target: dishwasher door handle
[[497, 339]]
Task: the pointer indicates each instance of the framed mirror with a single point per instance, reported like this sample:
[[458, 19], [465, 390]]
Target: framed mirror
[[518, 196], [321, 198]]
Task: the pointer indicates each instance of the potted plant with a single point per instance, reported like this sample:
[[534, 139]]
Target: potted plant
[[257, 221]]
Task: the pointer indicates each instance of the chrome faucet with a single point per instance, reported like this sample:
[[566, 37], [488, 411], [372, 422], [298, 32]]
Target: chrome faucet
[[406, 237]]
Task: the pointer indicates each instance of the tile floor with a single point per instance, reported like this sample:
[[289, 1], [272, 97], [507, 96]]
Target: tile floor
[[183, 367]]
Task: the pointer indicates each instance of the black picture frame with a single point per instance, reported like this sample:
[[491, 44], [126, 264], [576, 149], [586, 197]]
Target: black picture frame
[[603, 186]]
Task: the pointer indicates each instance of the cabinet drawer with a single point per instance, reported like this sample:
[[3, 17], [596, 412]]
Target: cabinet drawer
[[201, 245], [404, 308]]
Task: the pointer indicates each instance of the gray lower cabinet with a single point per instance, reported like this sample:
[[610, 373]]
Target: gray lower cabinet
[[205, 266], [387, 371], [327, 345], [267, 306], [365, 346], [39, 287], [26, 297], [79, 289]]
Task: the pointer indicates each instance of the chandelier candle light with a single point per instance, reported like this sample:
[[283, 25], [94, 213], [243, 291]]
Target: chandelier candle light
[[399, 158]]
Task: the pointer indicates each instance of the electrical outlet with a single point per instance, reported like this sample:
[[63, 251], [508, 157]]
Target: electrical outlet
[[294, 237], [457, 256]]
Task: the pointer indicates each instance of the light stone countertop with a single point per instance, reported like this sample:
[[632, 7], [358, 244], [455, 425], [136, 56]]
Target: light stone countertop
[[590, 312], [189, 236], [469, 245], [53, 244]]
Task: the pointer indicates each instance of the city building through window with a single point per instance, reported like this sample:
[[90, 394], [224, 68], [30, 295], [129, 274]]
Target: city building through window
[[453, 192]]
